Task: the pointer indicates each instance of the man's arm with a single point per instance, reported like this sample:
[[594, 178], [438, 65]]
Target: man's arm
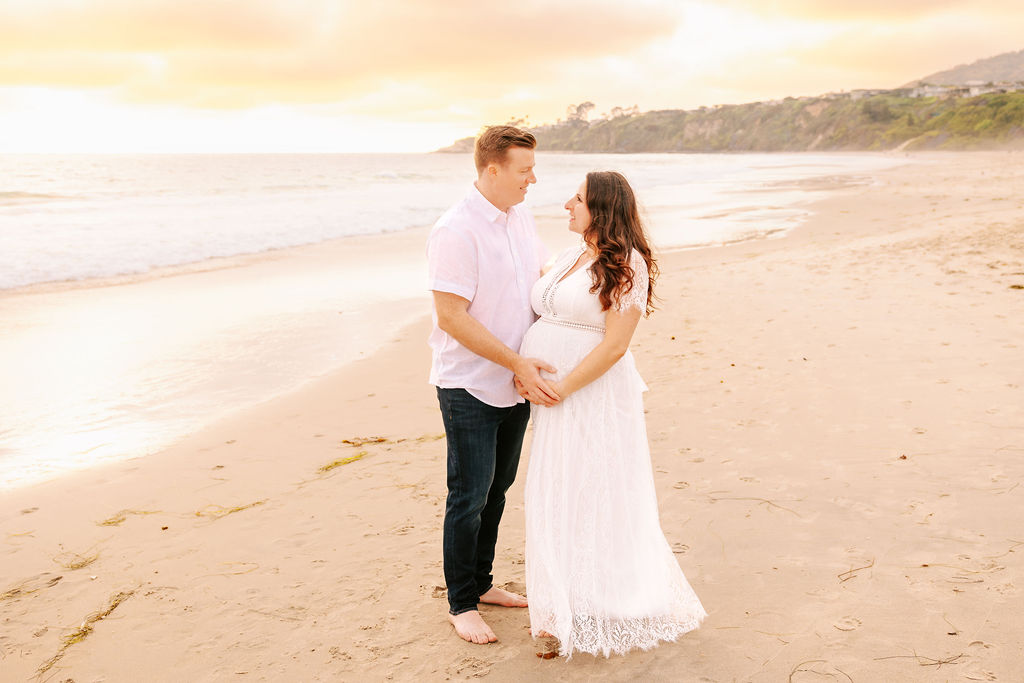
[[453, 317]]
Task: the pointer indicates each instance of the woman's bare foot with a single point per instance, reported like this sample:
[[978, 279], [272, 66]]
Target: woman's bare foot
[[471, 627], [499, 596], [542, 634]]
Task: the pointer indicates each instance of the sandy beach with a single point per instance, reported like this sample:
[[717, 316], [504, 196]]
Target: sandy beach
[[837, 432]]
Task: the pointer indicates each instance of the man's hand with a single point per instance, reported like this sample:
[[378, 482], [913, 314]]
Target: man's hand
[[531, 385], [556, 386]]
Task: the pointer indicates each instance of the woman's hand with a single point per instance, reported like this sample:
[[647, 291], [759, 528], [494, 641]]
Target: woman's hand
[[555, 386], [559, 388], [530, 384]]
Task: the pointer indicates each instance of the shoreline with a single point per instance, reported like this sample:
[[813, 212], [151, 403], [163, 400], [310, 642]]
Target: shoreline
[[210, 265], [221, 337], [272, 254], [179, 378], [833, 433]]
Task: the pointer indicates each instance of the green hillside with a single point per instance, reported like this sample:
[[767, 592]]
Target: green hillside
[[880, 122]]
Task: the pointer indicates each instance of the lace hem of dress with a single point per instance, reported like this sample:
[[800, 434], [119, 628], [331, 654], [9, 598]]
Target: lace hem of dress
[[607, 636]]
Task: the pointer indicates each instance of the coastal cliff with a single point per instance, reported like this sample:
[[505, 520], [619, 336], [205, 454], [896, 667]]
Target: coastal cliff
[[861, 120]]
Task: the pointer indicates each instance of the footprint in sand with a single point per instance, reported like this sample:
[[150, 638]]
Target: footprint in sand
[[337, 653], [848, 624], [912, 506], [470, 667], [1005, 589], [824, 595], [860, 507], [977, 651], [680, 548]]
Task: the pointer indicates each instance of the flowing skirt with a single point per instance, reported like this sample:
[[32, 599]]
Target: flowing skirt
[[600, 575]]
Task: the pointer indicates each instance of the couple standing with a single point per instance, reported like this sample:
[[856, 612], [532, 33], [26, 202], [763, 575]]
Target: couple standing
[[600, 575]]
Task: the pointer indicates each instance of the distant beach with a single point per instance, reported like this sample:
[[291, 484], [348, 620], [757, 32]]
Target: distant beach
[[144, 296]]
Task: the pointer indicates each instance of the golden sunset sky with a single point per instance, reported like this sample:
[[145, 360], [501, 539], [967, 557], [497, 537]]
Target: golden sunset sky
[[413, 75]]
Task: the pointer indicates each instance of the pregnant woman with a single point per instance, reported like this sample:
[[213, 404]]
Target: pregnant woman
[[600, 575]]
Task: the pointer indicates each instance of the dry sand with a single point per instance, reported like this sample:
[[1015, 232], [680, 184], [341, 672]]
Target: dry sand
[[837, 431]]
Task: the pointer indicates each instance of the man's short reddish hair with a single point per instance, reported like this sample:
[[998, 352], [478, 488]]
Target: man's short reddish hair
[[492, 145]]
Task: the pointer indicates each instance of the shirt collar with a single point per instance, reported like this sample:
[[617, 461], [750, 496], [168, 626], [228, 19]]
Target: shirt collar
[[490, 211]]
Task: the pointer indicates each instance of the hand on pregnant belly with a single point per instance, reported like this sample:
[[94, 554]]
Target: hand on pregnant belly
[[531, 385]]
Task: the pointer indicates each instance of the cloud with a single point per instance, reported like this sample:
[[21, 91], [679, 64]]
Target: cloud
[[154, 26], [726, 55], [457, 64], [889, 55], [239, 54], [871, 10], [72, 69]]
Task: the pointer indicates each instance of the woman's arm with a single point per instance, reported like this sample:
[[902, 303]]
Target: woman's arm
[[619, 324], [619, 328]]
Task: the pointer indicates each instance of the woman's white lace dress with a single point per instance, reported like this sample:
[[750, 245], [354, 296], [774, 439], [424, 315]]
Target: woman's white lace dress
[[600, 575]]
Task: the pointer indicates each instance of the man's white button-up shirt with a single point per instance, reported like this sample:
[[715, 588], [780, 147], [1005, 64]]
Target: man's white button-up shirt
[[492, 259]]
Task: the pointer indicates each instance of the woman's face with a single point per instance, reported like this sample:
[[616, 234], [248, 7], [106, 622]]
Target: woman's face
[[579, 215]]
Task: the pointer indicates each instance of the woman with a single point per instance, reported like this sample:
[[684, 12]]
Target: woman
[[600, 576]]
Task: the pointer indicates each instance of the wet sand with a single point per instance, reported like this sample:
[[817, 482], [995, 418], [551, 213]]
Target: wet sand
[[837, 432]]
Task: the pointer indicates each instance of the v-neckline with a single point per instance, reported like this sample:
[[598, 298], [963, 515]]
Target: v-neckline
[[573, 268]]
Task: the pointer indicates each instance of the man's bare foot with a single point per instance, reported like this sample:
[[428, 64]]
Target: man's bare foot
[[471, 627], [499, 596]]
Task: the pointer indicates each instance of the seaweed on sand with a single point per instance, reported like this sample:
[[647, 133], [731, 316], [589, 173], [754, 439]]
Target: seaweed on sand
[[83, 631], [324, 469], [218, 511], [120, 516]]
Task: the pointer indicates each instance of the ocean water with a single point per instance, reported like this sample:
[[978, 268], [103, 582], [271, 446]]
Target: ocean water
[[96, 373], [88, 216]]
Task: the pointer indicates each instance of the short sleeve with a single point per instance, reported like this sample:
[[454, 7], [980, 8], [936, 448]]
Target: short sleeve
[[451, 262], [637, 296]]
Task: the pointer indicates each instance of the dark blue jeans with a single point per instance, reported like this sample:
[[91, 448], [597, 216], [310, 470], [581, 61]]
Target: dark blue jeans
[[483, 455]]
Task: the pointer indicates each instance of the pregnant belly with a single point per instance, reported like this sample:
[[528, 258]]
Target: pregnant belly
[[561, 346]]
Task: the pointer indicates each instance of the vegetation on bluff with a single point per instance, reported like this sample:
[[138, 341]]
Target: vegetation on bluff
[[831, 122], [827, 123]]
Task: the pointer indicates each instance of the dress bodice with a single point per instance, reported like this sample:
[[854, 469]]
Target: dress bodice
[[567, 299]]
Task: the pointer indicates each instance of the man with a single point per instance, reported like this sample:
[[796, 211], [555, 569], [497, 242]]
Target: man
[[484, 257]]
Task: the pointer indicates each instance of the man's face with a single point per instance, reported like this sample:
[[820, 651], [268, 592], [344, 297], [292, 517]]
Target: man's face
[[512, 178]]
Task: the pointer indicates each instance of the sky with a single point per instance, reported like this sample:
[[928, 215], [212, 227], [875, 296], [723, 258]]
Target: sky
[[414, 75]]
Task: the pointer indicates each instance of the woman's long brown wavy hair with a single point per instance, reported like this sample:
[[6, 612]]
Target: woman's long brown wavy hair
[[615, 230]]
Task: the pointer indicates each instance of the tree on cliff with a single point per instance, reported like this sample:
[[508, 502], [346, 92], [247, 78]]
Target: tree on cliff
[[579, 112]]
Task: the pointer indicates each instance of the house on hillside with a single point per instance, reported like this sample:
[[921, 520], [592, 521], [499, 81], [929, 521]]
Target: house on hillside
[[976, 88], [929, 90], [861, 94]]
